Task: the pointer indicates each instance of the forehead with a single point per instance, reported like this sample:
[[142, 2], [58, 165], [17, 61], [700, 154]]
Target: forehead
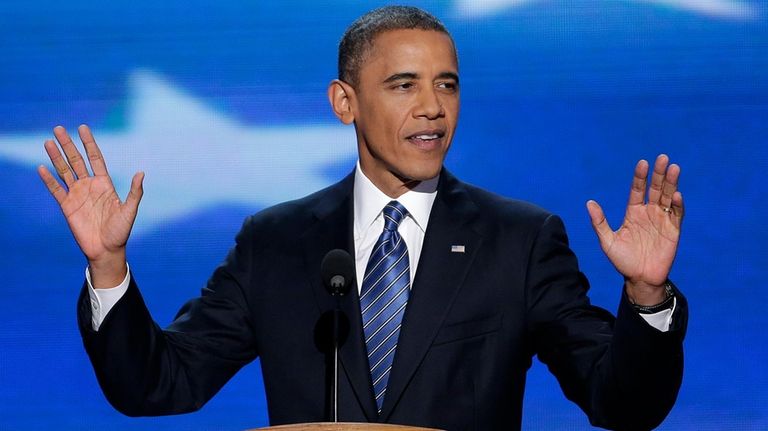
[[410, 50]]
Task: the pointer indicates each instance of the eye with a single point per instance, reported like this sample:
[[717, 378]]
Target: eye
[[403, 86], [448, 85]]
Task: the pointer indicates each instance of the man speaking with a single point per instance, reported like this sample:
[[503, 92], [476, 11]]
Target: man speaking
[[457, 288]]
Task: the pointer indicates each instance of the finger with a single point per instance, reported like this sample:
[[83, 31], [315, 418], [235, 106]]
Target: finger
[[61, 165], [50, 182], [657, 179], [70, 150], [670, 186], [678, 209], [136, 192], [599, 223], [98, 165], [637, 192]]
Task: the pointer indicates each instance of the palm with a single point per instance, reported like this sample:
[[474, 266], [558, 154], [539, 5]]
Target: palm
[[100, 222], [97, 218], [644, 247]]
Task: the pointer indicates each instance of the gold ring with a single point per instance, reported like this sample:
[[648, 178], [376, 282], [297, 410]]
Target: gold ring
[[666, 209]]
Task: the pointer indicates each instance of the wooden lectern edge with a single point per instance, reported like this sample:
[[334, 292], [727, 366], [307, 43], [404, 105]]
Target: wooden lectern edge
[[342, 426]]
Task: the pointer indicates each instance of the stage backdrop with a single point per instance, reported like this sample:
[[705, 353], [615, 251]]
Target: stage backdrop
[[223, 105]]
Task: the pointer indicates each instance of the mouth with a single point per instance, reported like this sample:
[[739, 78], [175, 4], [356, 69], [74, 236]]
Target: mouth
[[427, 139]]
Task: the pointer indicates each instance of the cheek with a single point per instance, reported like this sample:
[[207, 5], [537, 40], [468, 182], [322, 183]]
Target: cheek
[[390, 123], [451, 106], [385, 120]]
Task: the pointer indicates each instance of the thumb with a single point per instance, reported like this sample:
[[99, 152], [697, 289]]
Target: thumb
[[136, 192], [599, 223]]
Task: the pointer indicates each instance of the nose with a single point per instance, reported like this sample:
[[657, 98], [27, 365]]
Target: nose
[[429, 104]]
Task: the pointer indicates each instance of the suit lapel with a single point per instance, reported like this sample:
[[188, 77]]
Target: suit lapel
[[439, 277], [332, 229]]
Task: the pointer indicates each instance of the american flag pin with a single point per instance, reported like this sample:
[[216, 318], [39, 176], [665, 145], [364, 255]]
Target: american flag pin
[[457, 249]]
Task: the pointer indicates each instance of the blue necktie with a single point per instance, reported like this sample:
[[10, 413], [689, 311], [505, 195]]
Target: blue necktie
[[383, 297]]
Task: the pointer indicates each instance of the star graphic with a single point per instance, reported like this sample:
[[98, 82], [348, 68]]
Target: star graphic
[[724, 9], [195, 156]]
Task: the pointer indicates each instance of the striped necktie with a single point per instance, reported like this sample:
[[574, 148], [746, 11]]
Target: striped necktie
[[383, 297]]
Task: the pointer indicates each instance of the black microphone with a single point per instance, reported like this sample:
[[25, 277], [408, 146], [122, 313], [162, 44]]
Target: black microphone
[[338, 273]]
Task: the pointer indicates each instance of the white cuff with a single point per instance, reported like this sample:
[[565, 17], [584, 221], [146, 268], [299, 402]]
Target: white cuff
[[102, 300], [661, 320]]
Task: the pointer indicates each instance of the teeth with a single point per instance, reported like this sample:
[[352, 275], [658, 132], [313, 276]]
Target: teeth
[[426, 137]]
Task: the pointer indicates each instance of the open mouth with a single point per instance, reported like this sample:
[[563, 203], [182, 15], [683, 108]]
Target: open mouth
[[426, 138]]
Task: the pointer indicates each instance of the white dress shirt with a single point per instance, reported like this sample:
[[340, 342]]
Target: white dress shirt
[[369, 202], [369, 219]]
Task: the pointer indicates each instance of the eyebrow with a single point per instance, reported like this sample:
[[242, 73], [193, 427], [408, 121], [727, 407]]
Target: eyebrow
[[413, 75], [401, 76], [449, 75]]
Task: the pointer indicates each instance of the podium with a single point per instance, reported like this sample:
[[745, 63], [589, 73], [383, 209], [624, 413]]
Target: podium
[[342, 426]]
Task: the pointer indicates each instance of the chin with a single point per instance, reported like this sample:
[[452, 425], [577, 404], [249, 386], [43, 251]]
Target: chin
[[423, 173]]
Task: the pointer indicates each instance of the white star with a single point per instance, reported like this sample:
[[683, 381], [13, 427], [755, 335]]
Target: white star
[[726, 9], [195, 157], [480, 9]]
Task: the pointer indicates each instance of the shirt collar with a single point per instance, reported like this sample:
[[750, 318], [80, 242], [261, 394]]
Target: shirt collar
[[369, 201]]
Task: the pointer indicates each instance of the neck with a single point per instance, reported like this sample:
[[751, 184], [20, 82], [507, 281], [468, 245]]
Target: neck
[[391, 184], [394, 186]]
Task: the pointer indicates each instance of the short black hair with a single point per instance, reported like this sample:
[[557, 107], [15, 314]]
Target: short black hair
[[359, 37]]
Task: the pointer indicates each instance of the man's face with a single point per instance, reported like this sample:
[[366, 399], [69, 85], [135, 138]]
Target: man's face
[[405, 107]]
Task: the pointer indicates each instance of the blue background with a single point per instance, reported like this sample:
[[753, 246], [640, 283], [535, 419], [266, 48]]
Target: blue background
[[224, 107]]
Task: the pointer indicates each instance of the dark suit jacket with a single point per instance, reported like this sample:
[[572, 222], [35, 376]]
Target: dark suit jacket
[[473, 323]]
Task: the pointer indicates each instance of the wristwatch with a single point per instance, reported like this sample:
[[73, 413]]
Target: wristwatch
[[666, 304]]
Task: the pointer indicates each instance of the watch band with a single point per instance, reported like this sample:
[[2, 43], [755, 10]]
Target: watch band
[[663, 305]]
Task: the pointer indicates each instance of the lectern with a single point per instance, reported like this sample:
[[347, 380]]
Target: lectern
[[342, 426]]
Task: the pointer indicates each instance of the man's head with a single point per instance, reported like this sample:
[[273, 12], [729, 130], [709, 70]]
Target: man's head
[[358, 39], [399, 86]]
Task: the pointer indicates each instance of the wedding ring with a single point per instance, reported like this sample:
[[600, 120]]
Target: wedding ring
[[666, 209]]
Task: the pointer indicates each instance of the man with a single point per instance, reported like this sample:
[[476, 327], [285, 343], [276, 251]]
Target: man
[[457, 288]]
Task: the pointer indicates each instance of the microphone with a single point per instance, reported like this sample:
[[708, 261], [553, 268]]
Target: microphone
[[338, 273]]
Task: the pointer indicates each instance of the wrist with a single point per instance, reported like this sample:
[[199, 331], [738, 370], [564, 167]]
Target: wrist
[[108, 271], [667, 304], [643, 294]]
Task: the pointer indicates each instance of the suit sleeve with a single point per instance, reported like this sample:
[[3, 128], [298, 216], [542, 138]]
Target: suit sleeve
[[145, 370], [622, 372]]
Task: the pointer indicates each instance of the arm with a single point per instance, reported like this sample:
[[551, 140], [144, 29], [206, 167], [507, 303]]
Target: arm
[[144, 370], [622, 372]]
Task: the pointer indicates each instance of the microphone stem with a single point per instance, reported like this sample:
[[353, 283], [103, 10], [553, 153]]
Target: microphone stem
[[336, 315], [336, 383]]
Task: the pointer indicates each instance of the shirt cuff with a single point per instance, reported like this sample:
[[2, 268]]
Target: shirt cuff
[[663, 319], [102, 300]]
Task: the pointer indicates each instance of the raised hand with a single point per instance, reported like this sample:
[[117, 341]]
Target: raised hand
[[644, 247], [100, 222]]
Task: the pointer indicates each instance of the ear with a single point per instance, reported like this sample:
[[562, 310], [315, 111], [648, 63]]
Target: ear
[[342, 97]]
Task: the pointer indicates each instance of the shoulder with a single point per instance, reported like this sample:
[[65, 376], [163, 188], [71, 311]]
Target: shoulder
[[290, 218], [496, 209], [504, 222]]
